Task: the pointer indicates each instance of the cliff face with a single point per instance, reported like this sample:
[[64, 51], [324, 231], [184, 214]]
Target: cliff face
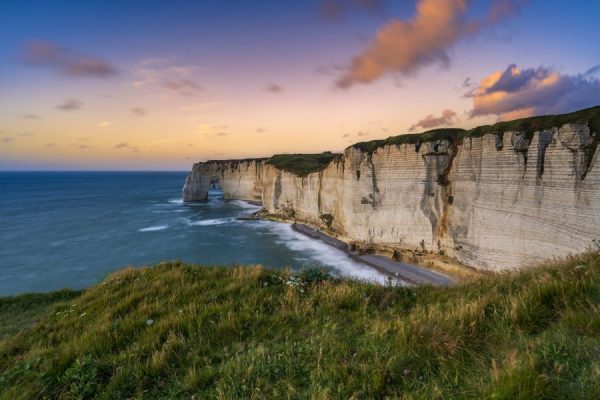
[[498, 201]]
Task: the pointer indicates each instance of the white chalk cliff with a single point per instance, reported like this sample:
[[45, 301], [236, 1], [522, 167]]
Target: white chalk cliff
[[495, 201]]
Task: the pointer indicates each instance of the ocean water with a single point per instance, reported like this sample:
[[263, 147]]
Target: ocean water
[[70, 229]]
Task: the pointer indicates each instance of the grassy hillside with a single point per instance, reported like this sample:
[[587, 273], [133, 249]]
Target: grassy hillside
[[177, 331]]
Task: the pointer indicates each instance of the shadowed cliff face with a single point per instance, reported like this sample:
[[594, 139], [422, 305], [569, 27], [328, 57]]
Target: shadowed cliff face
[[497, 201]]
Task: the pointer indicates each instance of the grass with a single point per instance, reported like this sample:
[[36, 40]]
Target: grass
[[233, 333], [527, 125], [303, 164]]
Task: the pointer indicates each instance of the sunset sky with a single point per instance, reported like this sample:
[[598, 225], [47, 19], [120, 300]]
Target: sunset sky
[[148, 85]]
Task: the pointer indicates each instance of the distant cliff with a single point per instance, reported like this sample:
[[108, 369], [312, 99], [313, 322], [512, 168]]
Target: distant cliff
[[494, 197]]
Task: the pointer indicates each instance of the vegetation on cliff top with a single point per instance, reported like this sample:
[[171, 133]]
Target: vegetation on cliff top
[[527, 125], [303, 164], [177, 331]]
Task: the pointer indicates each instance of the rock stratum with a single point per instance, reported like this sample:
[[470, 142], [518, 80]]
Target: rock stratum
[[495, 197]]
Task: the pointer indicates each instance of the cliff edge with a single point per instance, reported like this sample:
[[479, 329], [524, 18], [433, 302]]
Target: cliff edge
[[495, 197]]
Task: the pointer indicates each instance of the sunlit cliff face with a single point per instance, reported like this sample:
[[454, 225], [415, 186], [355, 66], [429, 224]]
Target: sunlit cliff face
[[111, 85]]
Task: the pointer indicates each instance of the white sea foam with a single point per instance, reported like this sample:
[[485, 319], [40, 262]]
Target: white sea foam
[[175, 201], [209, 222], [153, 228], [246, 205], [324, 254]]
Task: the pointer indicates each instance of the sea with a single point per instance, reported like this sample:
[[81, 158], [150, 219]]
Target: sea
[[72, 229]]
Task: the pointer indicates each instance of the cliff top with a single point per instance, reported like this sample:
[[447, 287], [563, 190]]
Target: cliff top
[[303, 164], [591, 116]]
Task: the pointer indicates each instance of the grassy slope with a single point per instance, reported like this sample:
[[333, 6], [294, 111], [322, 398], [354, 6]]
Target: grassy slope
[[242, 333]]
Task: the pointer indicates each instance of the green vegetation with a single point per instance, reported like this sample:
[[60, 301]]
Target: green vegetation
[[528, 125], [327, 220], [177, 331], [22, 312], [303, 164]]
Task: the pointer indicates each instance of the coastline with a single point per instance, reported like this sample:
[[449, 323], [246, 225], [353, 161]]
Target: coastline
[[410, 273]]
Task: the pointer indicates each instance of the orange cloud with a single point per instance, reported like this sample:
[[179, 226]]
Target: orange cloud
[[405, 46]]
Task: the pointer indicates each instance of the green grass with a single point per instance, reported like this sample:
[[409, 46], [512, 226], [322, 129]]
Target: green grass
[[303, 164], [527, 125], [236, 333], [22, 312]]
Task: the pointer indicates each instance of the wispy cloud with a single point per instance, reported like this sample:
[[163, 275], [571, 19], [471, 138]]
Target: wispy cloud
[[403, 47], [30, 116], [274, 88], [138, 111], [26, 134], [517, 92], [40, 53], [70, 105], [178, 79], [104, 124], [126, 146], [7, 139], [431, 121]]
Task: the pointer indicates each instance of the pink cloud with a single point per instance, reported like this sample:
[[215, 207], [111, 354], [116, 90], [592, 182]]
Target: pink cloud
[[431, 121]]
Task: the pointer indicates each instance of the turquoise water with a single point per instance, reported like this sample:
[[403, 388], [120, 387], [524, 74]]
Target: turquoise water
[[69, 229]]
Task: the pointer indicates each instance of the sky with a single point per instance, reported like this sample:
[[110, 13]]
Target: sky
[[157, 85]]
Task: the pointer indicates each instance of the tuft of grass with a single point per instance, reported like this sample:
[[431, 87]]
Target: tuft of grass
[[303, 164], [225, 333], [591, 116]]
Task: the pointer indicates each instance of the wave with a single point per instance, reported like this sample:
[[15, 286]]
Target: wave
[[209, 222], [246, 205], [154, 228], [325, 254], [175, 201]]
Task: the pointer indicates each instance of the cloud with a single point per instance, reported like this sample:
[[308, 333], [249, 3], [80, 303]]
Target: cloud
[[39, 53], [125, 146], [7, 140], [337, 8], [592, 71], [404, 47], [30, 116], [138, 111], [345, 135], [178, 79], [361, 134], [260, 130], [221, 134], [516, 92], [430, 121], [50, 145], [183, 86], [104, 124], [70, 105], [26, 134], [274, 88]]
